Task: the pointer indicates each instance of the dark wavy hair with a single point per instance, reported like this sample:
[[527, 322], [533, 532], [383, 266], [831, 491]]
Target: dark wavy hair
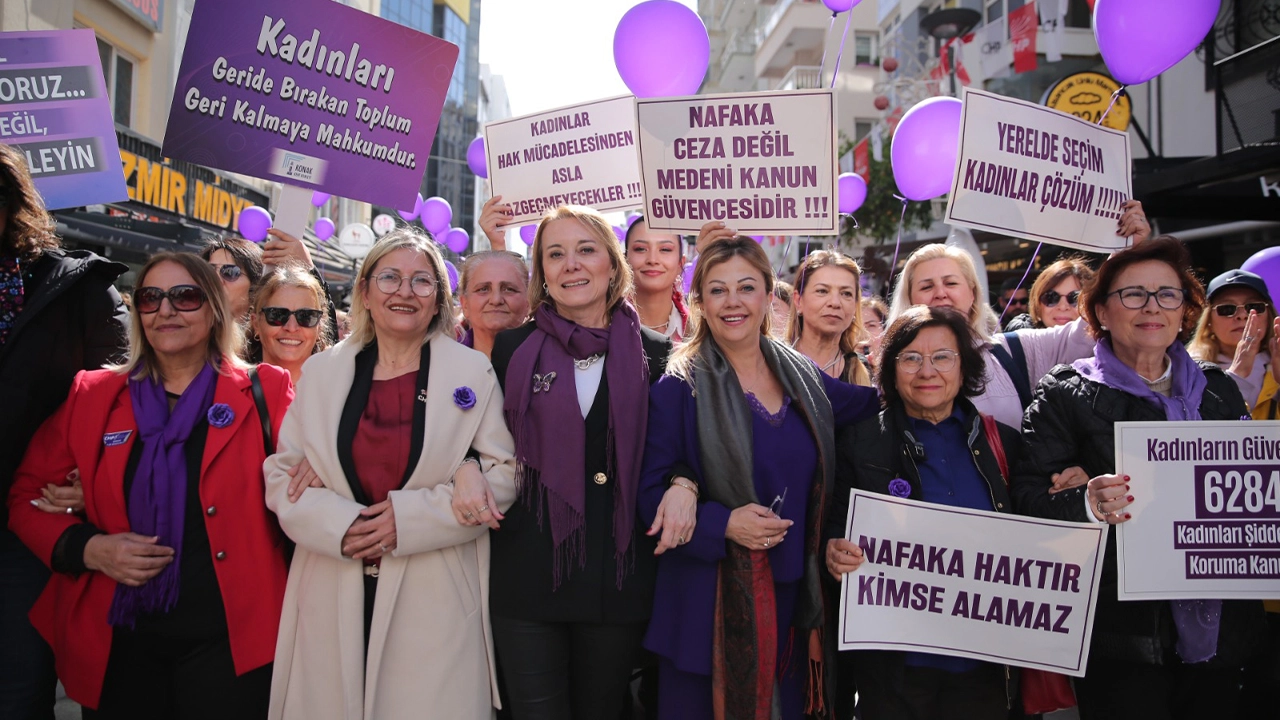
[[903, 332], [29, 229], [247, 255], [1166, 249]]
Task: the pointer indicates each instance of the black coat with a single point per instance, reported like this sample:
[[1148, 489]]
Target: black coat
[[1072, 422], [72, 319], [521, 581], [870, 455]]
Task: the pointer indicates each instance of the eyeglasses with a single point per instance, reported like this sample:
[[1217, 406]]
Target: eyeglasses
[[279, 317], [1136, 298], [421, 285], [775, 507], [941, 360], [1017, 301], [1230, 309], [1050, 298], [183, 298], [228, 273]]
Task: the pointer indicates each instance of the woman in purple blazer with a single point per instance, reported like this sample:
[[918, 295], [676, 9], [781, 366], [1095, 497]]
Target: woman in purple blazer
[[738, 613]]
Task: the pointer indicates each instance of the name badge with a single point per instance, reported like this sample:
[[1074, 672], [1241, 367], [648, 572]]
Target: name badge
[[116, 438]]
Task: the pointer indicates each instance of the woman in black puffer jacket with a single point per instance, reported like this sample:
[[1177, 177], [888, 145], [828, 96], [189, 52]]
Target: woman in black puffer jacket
[[1142, 304]]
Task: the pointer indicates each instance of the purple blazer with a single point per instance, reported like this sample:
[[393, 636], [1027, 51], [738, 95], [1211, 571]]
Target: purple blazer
[[682, 623]]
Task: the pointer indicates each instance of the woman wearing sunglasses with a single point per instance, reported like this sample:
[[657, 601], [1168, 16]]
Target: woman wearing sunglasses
[[1239, 331], [1055, 295], [166, 594], [238, 263], [288, 319], [386, 612]]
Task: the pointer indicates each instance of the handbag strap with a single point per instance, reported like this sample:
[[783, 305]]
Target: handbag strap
[[260, 401], [997, 445]]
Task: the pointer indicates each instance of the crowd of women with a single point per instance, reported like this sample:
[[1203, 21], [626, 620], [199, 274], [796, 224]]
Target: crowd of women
[[574, 475]]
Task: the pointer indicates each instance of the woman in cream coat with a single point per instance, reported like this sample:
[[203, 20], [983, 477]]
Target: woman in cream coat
[[386, 610]]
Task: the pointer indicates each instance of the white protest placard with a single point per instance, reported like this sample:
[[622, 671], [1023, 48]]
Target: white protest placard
[[1039, 174], [967, 583], [1206, 510], [764, 163], [578, 155]]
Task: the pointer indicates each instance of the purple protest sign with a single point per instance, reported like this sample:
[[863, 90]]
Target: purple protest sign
[[311, 93], [58, 114]]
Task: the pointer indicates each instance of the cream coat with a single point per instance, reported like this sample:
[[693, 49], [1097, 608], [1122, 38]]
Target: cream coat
[[430, 648]]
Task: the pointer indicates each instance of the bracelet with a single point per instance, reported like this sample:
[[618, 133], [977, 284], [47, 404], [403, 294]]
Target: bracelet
[[469, 459], [680, 482]]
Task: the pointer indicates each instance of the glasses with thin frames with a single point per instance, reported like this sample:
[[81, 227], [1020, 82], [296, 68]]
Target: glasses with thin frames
[[279, 316], [228, 273], [775, 507], [1136, 298], [184, 298], [1230, 309], [421, 285], [1051, 298], [941, 360]]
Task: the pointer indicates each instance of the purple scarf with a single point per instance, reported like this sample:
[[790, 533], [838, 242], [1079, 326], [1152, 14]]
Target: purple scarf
[[551, 436], [158, 497], [1197, 620]]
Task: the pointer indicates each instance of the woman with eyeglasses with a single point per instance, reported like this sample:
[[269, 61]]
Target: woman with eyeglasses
[[288, 318], [931, 444], [1055, 295], [59, 314], [239, 266], [493, 291], [1156, 659], [166, 594], [1240, 332], [826, 315], [386, 610], [741, 437]]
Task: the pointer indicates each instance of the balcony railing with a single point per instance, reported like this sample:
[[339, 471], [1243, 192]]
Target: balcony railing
[[1248, 97], [742, 42], [802, 77]]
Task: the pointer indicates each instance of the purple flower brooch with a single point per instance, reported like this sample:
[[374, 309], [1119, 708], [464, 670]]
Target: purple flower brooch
[[899, 488], [220, 415], [464, 397]]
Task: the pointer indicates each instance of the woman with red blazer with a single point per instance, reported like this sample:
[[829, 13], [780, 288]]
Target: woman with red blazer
[[165, 598]]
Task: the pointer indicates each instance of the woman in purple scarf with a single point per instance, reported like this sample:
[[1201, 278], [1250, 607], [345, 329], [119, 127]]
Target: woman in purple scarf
[[571, 581], [1149, 659]]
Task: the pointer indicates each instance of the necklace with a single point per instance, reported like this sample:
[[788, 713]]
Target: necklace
[[834, 360], [585, 363], [658, 328]]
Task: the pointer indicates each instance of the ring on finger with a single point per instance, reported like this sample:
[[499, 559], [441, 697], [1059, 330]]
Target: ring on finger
[[468, 515], [1101, 513], [382, 547], [486, 507], [680, 540], [766, 541]]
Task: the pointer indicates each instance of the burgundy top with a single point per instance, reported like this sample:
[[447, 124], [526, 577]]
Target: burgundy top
[[380, 449]]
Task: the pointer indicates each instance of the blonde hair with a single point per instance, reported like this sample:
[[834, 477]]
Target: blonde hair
[[403, 238], [1206, 346], [852, 334], [225, 334], [295, 276], [685, 356], [620, 287], [983, 321]]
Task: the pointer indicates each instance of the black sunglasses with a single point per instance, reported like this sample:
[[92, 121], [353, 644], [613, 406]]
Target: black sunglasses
[[279, 317], [1050, 298], [184, 298], [229, 273], [1230, 309]]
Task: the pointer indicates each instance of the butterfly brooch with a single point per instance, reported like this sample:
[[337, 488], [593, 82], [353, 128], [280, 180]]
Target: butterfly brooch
[[542, 383]]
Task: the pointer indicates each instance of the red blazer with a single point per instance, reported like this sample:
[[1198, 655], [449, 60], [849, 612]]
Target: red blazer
[[244, 536]]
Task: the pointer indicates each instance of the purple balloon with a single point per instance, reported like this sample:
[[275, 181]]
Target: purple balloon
[[620, 233], [924, 148], [661, 49], [839, 6], [1139, 39], [528, 233], [453, 275], [457, 240], [476, 159], [1266, 264], [436, 215], [254, 223], [319, 198], [758, 238], [324, 229], [409, 215], [853, 192], [686, 277]]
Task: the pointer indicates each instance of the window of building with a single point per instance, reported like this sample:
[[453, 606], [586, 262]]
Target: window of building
[[864, 45], [450, 27], [117, 71]]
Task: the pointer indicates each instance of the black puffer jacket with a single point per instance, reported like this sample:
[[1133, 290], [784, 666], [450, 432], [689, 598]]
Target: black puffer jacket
[[1072, 422], [72, 319], [870, 455]]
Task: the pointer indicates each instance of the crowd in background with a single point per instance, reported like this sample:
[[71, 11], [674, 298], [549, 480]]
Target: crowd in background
[[565, 492]]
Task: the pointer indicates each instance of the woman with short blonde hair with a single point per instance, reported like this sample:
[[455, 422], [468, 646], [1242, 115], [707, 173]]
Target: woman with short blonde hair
[[287, 318]]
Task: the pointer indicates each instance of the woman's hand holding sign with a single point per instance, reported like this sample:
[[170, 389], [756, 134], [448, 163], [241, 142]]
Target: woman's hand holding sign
[[843, 557]]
